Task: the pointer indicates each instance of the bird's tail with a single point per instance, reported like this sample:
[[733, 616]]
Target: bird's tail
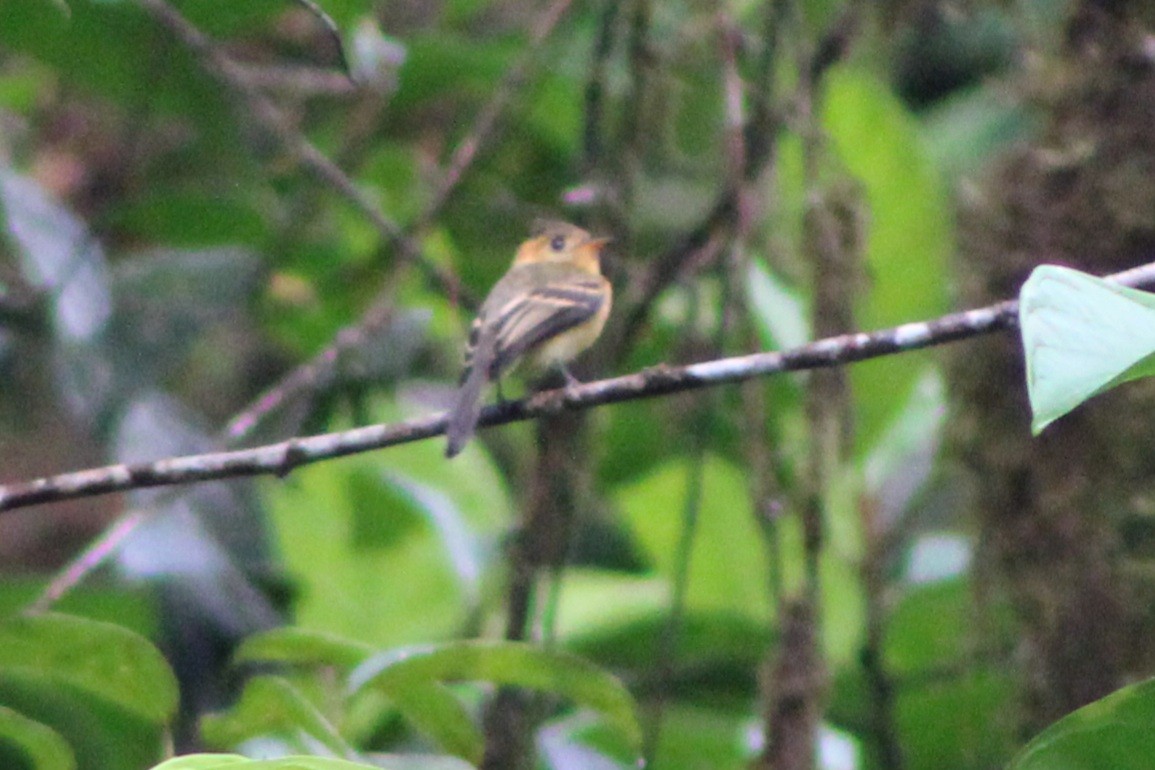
[[467, 403]]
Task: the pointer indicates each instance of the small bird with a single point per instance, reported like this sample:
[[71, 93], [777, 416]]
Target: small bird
[[549, 306]]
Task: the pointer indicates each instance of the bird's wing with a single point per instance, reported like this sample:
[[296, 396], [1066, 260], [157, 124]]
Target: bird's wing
[[511, 323], [531, 318]]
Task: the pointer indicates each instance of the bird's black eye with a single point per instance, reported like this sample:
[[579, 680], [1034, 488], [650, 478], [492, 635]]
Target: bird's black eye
[[557, 243]]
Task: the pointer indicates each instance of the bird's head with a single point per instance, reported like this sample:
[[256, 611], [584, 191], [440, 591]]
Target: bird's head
[[555, 241]]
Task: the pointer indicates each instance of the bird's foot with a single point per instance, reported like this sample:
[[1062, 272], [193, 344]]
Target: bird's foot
[[571, 384]]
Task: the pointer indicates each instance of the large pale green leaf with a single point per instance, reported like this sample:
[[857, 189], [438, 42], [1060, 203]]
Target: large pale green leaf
[[728, 567], [962, 722], [692, 732], [729, 563], [235, 761], [933, 625], [1082, 335], [908, 219], [354, 534], [1114, 732], [505, 663]]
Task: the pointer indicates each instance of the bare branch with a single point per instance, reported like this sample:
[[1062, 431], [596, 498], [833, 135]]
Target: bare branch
[[281, 458], [296, 80], [311, 375], [269, 117], [485, 127]]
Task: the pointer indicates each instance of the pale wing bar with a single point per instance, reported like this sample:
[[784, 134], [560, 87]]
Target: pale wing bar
[[544, 313]]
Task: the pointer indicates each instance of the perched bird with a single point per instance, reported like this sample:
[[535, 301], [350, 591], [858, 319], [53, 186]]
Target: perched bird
[[548, 307]]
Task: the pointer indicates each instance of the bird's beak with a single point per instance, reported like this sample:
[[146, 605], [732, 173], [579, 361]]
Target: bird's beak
[[598, 243]]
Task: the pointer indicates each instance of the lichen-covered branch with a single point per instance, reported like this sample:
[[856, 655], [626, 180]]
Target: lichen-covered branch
[[282, 457]]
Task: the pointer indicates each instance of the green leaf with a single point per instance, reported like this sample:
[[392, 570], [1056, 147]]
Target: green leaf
[[129, 607], [107, 691], [302, 646], [433, 709], [728, 568], [270, 704], [966, 128], [204, 762], [691, 732], [39, 744], [933, 625], [1115, 732], [1082, 335], [711, 645], [102, 736], [443, 521], [962, 722], [230, 761], [100, 659], [506, 663]]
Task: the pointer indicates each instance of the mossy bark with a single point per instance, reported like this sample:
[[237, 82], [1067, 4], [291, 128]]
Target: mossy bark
[[1067, 520]]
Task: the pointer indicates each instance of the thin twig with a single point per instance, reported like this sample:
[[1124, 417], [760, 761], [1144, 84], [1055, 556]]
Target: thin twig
[[797, 674], [281, 458], [311, 374], [879, 678], [296, 80], [732, 303], [634, 134], [269, 117], [736, 313], [87, 560], [485, 127], [667, 652], [23, 310], [593, 129], [762, 132]]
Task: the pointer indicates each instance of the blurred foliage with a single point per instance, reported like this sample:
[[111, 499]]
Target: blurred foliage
[[165, 258]]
